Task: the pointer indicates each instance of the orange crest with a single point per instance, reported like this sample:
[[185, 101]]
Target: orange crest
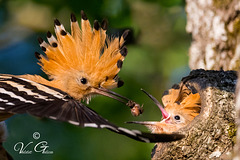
[[86, 50], [183, 100]]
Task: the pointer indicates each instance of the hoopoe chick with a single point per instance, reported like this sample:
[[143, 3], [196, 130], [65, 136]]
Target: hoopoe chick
[[79, 65], [182, 105]]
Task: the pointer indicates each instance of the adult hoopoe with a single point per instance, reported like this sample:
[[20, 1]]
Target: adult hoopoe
[[182, 104], [80, 65]]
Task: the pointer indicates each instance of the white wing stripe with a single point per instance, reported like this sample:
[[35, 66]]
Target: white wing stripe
[[46, 89], [137, 131], [108, 126], [127, 131], [94, 125], [53, 117], [11, 94], [10, 104], [144, 139], [3, 100], [5, 77], [6, 102], [28, 91], [73, 122]]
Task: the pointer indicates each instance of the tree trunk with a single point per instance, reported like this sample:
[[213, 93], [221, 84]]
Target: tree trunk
[[212, 133], [236, 155], [215, 26]]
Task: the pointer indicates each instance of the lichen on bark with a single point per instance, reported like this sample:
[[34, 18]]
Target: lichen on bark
[[214, 26]]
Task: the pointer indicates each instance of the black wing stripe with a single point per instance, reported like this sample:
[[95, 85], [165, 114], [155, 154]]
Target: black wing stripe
[[40, 89], [24, 94], [12, 95], [64, 112], [8, 101], [44, 110], [5, 101], [33, 86], [19, 108], [70, 114]]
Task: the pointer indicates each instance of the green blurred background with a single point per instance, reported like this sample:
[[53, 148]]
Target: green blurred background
[[157, 58]]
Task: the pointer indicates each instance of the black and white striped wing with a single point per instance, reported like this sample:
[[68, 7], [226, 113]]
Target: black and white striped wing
[[18, 95]]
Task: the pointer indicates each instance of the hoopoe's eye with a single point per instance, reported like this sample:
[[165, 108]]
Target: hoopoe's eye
[[83, 80], [177, 117]]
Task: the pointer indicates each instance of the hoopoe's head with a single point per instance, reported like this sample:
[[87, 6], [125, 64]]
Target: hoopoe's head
[[182, 105], [85, 62]]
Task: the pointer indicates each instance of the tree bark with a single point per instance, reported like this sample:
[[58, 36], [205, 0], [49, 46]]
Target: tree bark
[[215, 27], [212, 133], [236, 155]]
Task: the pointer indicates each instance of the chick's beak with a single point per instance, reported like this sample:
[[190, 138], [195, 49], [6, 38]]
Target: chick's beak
[[136, 109], [165, 115]]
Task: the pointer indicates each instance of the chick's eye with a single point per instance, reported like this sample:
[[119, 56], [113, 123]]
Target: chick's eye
[[83, 80], [177, 117]]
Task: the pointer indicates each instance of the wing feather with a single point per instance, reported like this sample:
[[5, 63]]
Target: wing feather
[[62, 108]]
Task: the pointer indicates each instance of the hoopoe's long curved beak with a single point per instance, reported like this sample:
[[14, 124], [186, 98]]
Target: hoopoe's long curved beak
[[145, 123], [136, 109], [165, 115], [153, 126], [157, 127]]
